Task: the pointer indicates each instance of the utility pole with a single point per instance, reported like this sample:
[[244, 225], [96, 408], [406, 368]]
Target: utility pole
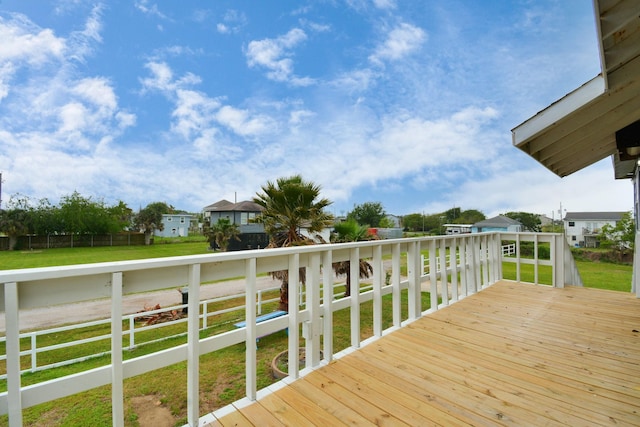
[[0, 190]]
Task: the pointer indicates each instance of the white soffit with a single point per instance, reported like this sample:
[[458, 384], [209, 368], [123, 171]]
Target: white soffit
[[579, 129]]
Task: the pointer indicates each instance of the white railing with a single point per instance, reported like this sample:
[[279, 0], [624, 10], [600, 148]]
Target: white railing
[[132, 330], [480, 265]]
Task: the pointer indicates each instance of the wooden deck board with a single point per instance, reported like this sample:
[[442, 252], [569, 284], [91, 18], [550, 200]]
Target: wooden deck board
[[512, 354]]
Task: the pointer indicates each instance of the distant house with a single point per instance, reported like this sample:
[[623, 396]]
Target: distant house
[[243, 214], [457, 228], [498, 223], [583, 228], [215, 207], [175, 225]]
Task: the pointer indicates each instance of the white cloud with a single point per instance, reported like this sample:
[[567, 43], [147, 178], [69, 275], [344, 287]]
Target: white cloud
[[275, 56], [98, 91], [400, 42], [535, 189], [82, 43], [232, 22], [161, 77], [385, 4], [193, 112], [23, 42], [241, 122], [358, 80], [144, 7]]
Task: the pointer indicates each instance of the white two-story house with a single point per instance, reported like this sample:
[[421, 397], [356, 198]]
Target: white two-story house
[[583, 228]]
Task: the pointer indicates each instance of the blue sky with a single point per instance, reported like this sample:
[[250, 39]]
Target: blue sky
[[406, 103]]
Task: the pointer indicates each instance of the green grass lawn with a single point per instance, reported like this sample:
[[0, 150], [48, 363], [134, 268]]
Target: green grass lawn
[[68, 256]]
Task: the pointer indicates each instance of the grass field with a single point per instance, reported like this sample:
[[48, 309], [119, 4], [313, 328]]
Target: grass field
[[222, 372], [68, 256]]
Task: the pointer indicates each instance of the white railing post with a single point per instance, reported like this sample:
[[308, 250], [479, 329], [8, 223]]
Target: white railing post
[[294, 338], [433, 274], [484, 262], [377, 291], [497, 270], [14, 394], [444, 282], [312, 341], [354, 277], [117, 375], [453, 266], [250, 319], [463, 266], [413, 271], [518, 257], [327, 300], [205, 312], [395, 282], [559, 245], [132, 328], [193, 346], [34, 352]]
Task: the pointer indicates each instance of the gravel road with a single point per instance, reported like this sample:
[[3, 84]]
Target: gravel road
[[45, 317]]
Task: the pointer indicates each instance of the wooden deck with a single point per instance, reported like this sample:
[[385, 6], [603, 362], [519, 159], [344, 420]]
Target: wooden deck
[[514, 354]]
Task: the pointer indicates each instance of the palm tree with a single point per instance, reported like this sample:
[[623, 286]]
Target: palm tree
[[222, 232], [351, 231], [291, 204]]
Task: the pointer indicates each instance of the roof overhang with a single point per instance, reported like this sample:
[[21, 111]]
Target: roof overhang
[[580, 128]]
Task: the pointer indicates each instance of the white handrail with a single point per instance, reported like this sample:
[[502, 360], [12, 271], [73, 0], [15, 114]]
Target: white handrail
[[480, 260]]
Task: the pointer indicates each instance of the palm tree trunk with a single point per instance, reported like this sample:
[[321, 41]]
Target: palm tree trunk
[[284, 296]]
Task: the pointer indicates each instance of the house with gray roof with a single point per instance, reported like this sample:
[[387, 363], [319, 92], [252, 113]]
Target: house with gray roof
[[582, 229], [497, 223], [243, 214]]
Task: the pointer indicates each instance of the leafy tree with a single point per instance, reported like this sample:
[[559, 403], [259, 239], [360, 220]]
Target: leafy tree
[[470, 216], [386, 223], [149, 219], [82, 215], [368, 213], [413, 222], [289, 205], [620, 237], [452, 215], [45, 218], [222, 232], [433, 223], [530, 222], [350, 231], [121, 215], [14, 221]]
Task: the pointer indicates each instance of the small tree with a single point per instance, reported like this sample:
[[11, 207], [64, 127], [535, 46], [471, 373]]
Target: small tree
[[619, 237], [14, 221], [530, 222], [222, 232], [351, 231], [149, 219], [368, 213]]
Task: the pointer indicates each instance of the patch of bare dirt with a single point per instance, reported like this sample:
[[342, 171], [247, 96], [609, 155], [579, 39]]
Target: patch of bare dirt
[[151, 413]]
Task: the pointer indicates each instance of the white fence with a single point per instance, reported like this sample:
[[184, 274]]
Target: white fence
[[480, 265]]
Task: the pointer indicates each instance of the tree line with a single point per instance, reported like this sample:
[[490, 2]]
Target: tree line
[[77, 215]]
